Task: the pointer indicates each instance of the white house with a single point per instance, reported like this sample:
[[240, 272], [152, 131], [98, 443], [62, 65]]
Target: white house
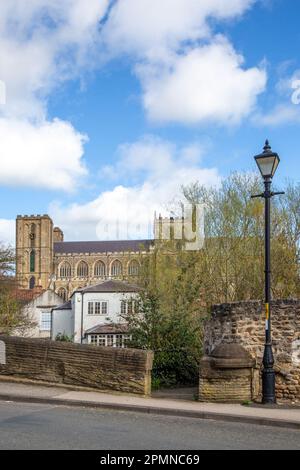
[[94, 314], [37, 306]]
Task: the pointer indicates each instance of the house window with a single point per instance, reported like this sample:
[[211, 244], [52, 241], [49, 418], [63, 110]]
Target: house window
[[94, 339], [133, 268], [97, 308], [99, 269], [98, 340], [101, 340], [65, 270], [129, 306], [116, 268], [82, 269], [45, 321], [110, 340], [104, 308], [123, 307]]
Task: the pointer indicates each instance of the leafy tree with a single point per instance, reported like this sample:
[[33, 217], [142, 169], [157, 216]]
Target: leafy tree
[[231, 265], [12, 315], [168, 320], [180, 286]]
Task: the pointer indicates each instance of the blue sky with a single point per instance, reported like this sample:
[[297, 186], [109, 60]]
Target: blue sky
[[111, 106]]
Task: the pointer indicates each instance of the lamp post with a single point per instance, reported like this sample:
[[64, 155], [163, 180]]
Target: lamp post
[[267, 163]]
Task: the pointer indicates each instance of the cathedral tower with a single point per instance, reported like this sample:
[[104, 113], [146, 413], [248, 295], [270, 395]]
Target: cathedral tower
[[34, 251]]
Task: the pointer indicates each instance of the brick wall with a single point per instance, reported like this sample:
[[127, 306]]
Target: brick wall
[[244, 323], [123, 370]]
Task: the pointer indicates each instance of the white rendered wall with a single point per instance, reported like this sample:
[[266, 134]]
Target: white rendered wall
[[85, 321], [62, 323]]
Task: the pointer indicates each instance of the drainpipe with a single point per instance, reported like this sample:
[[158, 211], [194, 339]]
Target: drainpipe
[[81, 334]]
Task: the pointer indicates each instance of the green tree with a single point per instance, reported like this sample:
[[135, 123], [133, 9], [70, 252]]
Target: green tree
[[168, 320], [12, 315], [231, 265]]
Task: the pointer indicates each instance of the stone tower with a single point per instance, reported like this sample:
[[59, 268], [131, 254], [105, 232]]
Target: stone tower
[[34, 251]]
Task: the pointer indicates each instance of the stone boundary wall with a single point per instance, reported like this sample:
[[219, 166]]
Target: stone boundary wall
[[244, 323], [122, 370]]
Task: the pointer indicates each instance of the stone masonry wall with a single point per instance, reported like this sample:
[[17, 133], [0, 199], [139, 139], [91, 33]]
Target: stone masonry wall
[[122, 370], [244, 323]]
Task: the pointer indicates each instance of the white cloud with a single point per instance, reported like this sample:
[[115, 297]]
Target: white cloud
[[206, 84], [147, 28], [44, 155], [43, 43], [164, 168], [281, 114], [7, 232], [188, 75]]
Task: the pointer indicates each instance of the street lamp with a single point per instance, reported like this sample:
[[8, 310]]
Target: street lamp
[[267, 163]]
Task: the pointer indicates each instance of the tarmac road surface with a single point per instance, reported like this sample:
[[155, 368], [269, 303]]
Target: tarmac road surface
[[35, 426]]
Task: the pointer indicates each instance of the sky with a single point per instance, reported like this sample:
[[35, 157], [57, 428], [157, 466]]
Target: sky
[[108, 107]]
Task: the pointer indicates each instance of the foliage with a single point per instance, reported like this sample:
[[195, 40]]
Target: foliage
[[231, 265], [63, 337], [12, 316], [168, 320], [180, 286]]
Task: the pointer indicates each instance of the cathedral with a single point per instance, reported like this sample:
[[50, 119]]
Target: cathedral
[[44, 259]]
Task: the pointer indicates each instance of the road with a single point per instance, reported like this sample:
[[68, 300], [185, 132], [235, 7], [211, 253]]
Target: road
[[35, 426]]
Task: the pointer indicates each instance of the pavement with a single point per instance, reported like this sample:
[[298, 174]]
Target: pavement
[[279, 416]]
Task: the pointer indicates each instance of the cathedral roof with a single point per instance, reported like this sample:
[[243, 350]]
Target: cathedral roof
[[110, 246]]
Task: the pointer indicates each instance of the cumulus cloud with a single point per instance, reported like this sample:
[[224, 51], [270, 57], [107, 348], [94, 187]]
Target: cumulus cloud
[[44, 155], [279, 115], [7, 232], [128, 211], [188, 75], [206, 84], [148, 27], [42, 44]]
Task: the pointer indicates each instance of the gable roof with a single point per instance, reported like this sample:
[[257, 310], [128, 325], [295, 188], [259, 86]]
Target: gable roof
[[24, 296], [116, 246], [110, 286]]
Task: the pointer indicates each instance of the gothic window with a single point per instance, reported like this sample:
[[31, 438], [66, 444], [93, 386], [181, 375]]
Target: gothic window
[[32, 261], [82, 269], [116, 268], [32, 235], [32, 283], [65, 270], [62, 293], [133, 268], [99, 269]]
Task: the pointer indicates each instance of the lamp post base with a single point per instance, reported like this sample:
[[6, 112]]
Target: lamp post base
[[268, 377]]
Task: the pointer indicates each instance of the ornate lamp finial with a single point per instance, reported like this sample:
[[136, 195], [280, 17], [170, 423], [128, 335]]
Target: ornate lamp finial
[[267, 147]]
